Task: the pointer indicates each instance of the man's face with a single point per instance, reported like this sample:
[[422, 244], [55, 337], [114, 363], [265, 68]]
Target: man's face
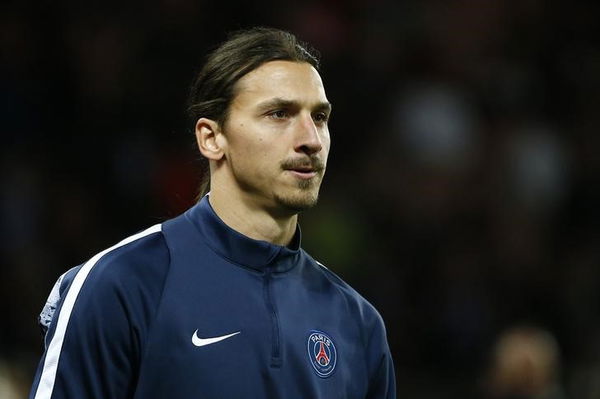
[[277, 136]]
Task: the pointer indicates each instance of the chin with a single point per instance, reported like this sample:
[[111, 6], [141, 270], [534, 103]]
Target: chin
[[298, 202]]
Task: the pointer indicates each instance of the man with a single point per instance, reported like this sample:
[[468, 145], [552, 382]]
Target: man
[[221, 302]]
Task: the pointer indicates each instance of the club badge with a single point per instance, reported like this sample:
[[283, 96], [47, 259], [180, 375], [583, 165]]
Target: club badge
[[321, 353]]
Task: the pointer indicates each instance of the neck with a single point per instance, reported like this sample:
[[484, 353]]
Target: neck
[[252, 220]]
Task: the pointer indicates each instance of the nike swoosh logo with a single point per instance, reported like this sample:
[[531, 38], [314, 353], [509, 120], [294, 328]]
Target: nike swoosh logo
[[197, 341]]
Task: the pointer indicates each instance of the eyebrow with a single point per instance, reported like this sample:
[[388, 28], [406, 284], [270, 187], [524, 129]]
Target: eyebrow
[[278, 102]]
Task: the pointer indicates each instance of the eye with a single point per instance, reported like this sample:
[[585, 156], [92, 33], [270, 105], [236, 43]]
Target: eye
[[278, 114], [321, 117]]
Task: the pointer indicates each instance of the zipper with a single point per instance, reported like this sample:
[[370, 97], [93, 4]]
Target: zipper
[[272, 309]]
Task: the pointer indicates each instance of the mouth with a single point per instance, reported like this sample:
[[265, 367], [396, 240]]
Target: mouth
[[303, 174], [304, 170]]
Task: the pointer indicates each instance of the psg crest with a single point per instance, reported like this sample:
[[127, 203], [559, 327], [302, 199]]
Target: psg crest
[[321, 353]]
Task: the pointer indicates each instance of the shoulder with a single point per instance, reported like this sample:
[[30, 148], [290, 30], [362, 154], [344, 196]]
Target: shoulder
[[364, 311], [135, 256], [134, 268], [137, 264]]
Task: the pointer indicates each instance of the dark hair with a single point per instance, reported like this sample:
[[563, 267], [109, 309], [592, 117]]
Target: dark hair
[[213, 89]]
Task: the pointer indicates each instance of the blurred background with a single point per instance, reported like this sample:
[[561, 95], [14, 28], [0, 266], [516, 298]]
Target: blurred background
[[461, 192]]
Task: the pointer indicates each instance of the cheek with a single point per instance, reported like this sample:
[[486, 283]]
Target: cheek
[[243, 140], [326, 144], [259, 149], [252, 153]]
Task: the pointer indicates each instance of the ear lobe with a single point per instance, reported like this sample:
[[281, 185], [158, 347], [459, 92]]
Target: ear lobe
[[207, 137]]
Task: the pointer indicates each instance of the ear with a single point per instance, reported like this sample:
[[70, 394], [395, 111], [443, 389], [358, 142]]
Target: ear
[[208, 134]]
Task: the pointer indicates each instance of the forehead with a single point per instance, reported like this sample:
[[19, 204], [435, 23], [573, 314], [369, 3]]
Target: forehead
[[294, 81]]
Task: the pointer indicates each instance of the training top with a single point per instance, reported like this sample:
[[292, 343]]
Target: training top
[[191, 308]]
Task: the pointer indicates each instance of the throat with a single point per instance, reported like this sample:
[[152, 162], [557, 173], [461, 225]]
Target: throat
[[254, 222]]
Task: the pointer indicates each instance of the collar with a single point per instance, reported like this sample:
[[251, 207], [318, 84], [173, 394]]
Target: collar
[[238, 248]]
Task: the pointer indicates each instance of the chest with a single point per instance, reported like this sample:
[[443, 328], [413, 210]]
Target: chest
[[222, 331]]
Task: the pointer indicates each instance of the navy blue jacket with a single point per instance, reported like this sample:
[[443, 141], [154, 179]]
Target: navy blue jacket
[[193, 309]]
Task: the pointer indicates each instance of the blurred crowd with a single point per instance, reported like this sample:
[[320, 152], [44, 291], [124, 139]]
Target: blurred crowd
[[461, 191]]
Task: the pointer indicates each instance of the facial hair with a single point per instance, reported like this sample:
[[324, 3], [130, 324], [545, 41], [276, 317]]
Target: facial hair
[[308, 189]]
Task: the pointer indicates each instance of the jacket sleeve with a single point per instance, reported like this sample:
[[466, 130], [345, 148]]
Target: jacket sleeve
[[96, 320], [382, 381]]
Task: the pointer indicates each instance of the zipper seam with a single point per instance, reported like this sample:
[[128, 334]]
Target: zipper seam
[[275, 348]]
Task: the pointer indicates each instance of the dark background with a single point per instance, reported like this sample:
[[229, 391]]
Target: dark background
[[463, 183]]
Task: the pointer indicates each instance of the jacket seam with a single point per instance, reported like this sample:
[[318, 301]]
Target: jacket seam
[[158, 305]]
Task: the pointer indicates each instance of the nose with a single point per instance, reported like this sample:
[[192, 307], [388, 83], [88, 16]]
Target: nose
[[308, 139]]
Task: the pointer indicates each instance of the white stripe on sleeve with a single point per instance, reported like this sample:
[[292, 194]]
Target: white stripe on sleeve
[[48, 376]]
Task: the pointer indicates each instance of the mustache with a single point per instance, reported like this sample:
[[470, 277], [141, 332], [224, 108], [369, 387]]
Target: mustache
[[314, 162]]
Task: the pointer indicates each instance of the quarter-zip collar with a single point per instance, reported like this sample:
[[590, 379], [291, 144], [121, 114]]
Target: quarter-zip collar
[[238, 248]]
